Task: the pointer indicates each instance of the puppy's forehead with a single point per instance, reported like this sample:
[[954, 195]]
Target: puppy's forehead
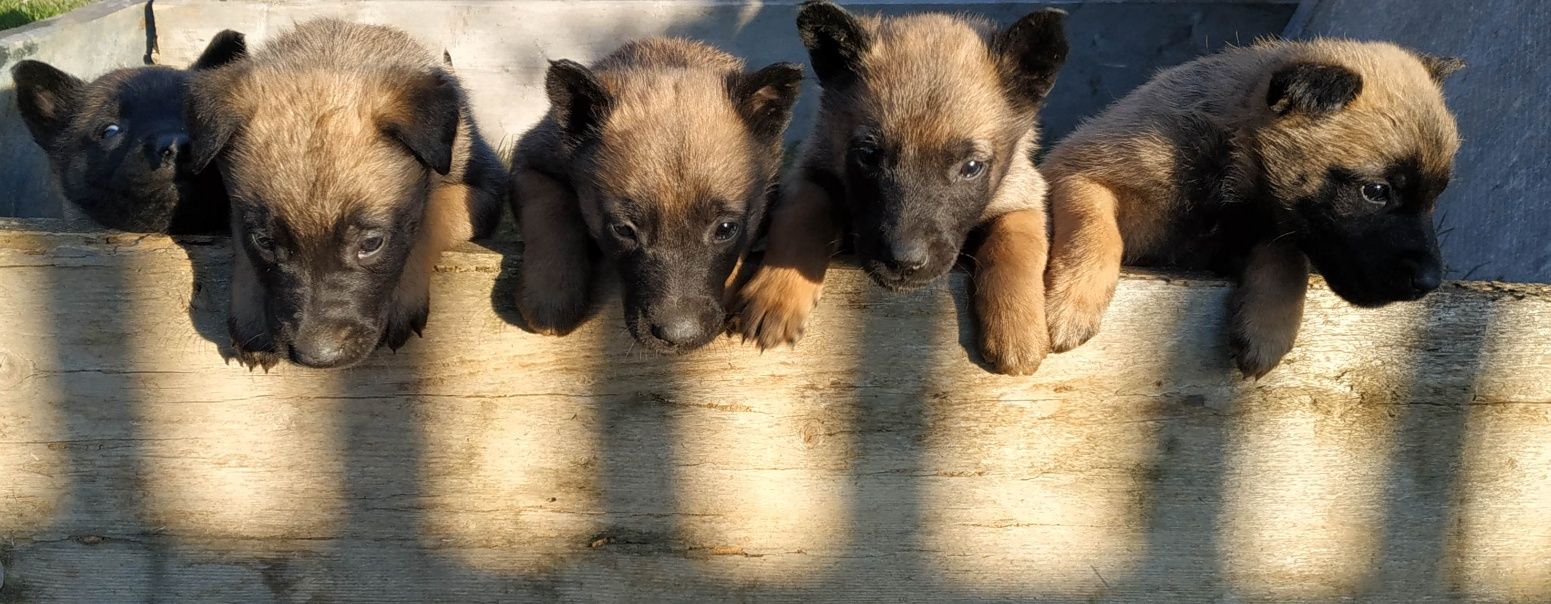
[[674, 140], [1399, 116], [312, 152], [137, 90], [930, 81]]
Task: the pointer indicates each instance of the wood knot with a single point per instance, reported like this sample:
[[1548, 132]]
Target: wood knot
[[11, 372]]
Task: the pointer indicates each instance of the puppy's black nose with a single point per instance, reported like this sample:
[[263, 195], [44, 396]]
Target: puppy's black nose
[[679, 331], [1426, 279], [908, 256], [169, 146]]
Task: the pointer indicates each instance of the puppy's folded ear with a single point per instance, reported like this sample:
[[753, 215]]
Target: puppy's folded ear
[[426, 118], [1031, 53], [211, 114], [577, 98], [1440, 68], [226, 47], [46, 97], [1313, 89], [835, 41], [765, 98]]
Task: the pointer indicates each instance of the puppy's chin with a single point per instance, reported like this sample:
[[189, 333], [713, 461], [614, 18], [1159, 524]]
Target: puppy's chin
[[1371, 292], [894, 280]]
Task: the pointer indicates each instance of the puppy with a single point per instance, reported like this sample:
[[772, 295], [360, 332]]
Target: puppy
[[352, 161], [661, 156], [926, 130], [119, 146], [1256, 162]]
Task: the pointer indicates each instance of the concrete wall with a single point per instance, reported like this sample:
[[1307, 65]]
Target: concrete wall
[[501, 49], [1497, 214]]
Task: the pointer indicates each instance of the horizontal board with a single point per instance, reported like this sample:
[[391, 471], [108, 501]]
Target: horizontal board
[[1399, 455]]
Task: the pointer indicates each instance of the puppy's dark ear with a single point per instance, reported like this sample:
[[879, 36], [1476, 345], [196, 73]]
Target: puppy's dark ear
[[46, 97], [576, 97], [226, 47], [212, 118], [765, 97], [426, 119], [1031, 53], [1312, 89], [835, 41], [1442, 67]]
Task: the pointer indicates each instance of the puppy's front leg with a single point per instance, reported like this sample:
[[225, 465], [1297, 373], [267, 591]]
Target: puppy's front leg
[[556, 281], [1010, 292], [1084, 260], [1267, 306], [246, 322], [773, 307], [449, 217]]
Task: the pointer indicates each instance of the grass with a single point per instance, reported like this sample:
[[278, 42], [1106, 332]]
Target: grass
[[16, 13]]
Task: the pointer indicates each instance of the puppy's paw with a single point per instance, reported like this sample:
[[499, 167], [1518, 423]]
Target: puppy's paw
[[773, 308], [253, 350], [1012, 351], [405, 322], [1257, 355], [1073, 319], [554, 312]]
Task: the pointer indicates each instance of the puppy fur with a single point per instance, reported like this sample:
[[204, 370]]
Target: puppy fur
[[661, 156], [1255, 162], [926, 130], [118, 145], [352, 161]]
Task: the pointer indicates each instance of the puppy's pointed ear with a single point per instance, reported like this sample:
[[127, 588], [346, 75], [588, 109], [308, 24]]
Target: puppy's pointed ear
[[46, 98], [577, 98], [765, 98], [1313, 89], [1031, 53], [226, 47], [835, 39], [1440, 68], [211, 114], [425, 120]]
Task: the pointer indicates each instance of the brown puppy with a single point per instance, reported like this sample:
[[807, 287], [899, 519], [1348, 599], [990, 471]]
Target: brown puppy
[[662, 155], [926, 130], [352, 162], [1256, 161]]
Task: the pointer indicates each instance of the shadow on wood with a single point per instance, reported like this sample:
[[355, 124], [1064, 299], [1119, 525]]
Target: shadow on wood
[[1400, 454]]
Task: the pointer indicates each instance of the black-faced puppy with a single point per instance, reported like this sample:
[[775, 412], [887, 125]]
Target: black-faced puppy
[[662, 156], [1256, 161], [352, 161], [926, 130], [118, 145]]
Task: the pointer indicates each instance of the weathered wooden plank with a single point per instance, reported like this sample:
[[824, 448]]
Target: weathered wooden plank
[[1399, 455]]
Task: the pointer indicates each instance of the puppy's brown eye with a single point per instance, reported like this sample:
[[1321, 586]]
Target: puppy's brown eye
[[109, 131], [972, 169], [866, 155], [725, 232], [1376, 193], [624, 232], [370, 246]]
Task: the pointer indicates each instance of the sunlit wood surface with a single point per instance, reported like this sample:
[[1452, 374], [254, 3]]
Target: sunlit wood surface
[[1399, 455]]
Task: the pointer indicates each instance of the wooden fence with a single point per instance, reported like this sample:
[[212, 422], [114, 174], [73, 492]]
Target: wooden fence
[[1400, 455]]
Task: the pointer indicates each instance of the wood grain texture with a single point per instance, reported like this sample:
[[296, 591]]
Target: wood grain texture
[[1399, 455]]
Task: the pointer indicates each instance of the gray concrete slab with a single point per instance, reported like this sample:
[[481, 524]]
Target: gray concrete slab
[[501, 48]]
